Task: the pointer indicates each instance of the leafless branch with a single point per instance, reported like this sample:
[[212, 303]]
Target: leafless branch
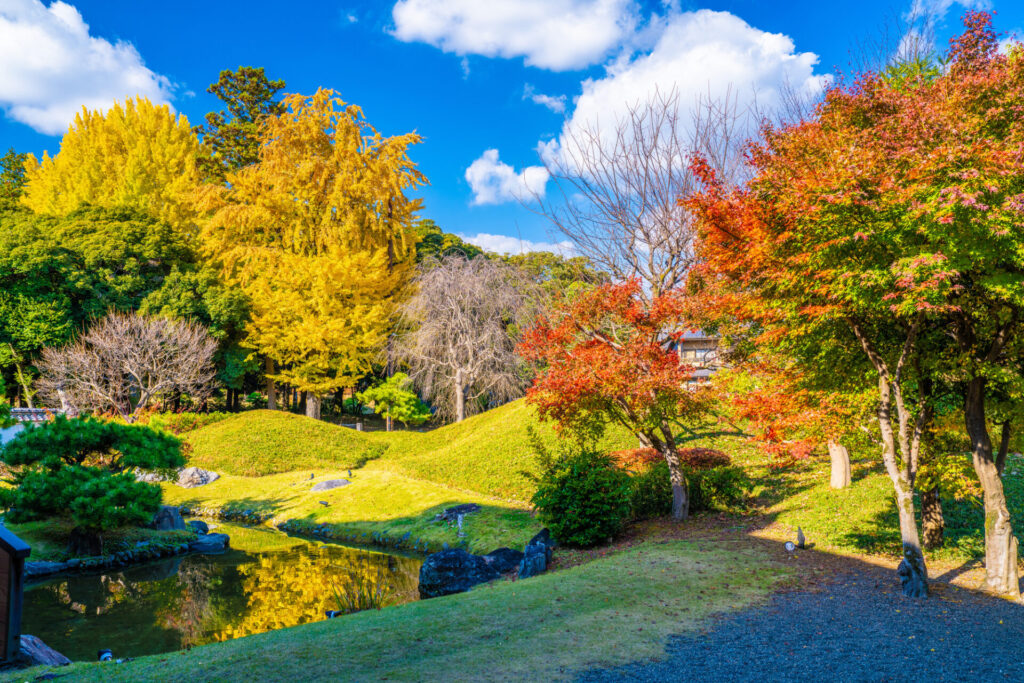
[[126, 361]]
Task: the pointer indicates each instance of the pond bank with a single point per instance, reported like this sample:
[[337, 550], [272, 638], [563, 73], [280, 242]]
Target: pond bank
[[266, 581]]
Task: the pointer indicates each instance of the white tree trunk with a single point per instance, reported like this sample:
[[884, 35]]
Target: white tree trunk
[[313, 406], [840, 457]]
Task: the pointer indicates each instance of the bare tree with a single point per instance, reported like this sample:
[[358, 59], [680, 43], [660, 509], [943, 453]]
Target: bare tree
[[458, 342], [126, 361], [618, 186]]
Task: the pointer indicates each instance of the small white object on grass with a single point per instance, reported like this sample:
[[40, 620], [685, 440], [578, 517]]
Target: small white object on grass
[[790, 546]]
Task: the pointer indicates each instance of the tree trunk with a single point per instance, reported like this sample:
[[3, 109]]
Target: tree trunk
[[460, 397], [268, 369], [303, 403], [84, 543], [840, 457], [312, 405], [680, 493], [931, 519], [1001, 576], [389, 422], [912, 570]]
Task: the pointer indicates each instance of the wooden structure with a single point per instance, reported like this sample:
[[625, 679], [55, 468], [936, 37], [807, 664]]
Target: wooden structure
[[13, 552]]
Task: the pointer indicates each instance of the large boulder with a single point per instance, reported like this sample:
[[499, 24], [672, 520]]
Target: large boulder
[[191, 477], [453, 571], [168, 518], [330, 484], [199, 526], [537, 555], [452, 514], [504, 560], [35, 652], [210, 544]]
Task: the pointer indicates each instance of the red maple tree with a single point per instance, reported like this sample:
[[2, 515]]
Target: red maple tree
[[610, 357]]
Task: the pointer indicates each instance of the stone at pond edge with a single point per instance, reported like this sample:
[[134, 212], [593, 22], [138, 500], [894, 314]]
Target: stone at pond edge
[[191, 477], [168, 518], [35, 652], [537, 555], [34, 569], [210, 543], [199, 526], [330, 484], [453, 571], [452, 514], [504, 560]]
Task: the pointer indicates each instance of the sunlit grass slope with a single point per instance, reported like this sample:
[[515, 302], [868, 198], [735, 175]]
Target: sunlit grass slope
[[261, 442], [486, 453]]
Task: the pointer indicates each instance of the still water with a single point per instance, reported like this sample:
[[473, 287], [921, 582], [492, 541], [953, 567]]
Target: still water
[[266, 581]]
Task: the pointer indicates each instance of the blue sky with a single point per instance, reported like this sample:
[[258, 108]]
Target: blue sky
[[485, 82]]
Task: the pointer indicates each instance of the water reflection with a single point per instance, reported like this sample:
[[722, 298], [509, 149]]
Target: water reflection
[[199, 599]]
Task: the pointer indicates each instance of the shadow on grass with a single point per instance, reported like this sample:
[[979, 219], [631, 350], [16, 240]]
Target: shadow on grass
[[264, 507]]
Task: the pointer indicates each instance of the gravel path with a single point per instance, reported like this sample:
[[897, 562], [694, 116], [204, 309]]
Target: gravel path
[[857, 627]]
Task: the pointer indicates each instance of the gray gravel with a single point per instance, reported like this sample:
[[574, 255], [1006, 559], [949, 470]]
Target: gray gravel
[[855, 628]]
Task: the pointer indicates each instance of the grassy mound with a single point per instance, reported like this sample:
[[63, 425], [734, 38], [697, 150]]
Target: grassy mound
[[262, 442], [486, 453], [610, 611], [375, 503]]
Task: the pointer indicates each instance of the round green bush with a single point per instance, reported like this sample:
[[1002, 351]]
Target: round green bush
[[718, 488], [583, 498]]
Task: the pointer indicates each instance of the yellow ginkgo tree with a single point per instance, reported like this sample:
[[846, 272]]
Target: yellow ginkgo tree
[[135, 154], [319, 234]]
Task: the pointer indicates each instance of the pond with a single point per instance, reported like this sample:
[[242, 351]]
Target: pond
[[267, 581]]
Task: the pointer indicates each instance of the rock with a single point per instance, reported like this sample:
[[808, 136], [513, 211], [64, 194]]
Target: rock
[[504, 560], [199, 526], [35, 652], [330, 484], [210, 543], [453, 571], [536, 555], [149, 477], [452, 514], [34, 569], [168, 518], [191, 477]]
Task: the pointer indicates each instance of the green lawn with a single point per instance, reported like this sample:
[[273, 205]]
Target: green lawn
[[610, 611], [261, 442], [376, 503]]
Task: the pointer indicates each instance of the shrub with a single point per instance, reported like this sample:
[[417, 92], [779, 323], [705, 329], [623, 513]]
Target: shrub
[[182, 423], [703, 458], [641, 459], [582, 497], [80, 469], [636, 459], [718, 488]]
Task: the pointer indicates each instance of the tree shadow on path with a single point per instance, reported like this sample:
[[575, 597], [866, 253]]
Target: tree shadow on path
[[840, 619]]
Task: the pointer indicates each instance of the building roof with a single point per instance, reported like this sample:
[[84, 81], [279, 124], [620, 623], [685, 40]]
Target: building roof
[[34, 414]]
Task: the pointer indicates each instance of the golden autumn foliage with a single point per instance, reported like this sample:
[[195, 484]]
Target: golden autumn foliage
[[319, 234], [135, 154]]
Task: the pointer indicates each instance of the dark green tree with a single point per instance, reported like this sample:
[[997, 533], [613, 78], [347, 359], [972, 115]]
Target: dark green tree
[[231, 138], [12, 179], [82, 469], [57, 273], [437, 243]]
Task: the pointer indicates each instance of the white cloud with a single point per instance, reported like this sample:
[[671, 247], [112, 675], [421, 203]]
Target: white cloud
[[50, 66], [698, 55], [937, 9], [503, 244], [495, 182], [551, 34], [555, 104]]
